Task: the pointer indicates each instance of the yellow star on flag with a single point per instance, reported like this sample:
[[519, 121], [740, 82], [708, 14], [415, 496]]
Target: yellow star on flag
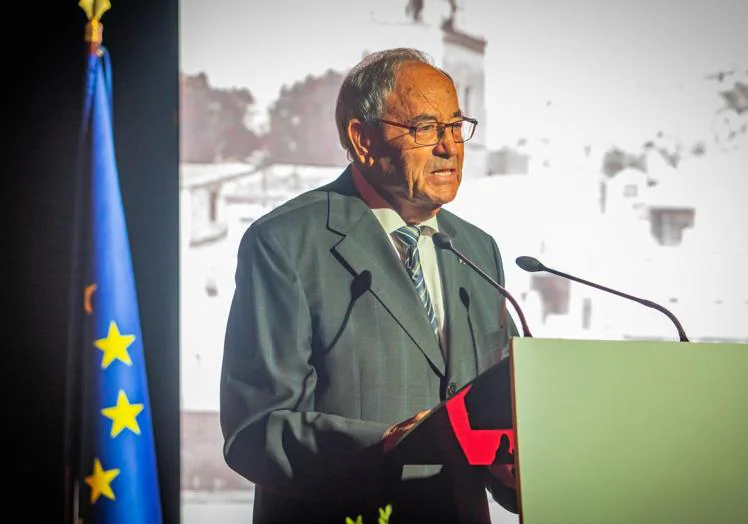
[[123, 415], [114, 346], [99, 482]]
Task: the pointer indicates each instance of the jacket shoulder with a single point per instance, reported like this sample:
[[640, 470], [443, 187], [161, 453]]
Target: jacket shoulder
[[463, 227]]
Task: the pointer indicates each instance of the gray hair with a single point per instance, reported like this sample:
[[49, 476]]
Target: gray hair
[[365, 87]]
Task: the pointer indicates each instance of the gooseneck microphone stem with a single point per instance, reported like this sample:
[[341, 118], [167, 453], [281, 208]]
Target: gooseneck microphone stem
[[442, 241], [532, 265], [643, 301]]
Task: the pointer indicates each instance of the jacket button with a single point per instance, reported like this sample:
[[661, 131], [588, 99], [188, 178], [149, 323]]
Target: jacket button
[[451, 389]]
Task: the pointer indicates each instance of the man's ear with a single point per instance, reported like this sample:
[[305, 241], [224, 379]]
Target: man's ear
[[361, 138]]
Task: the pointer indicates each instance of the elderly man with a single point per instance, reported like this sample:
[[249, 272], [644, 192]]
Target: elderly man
[[347, 324]]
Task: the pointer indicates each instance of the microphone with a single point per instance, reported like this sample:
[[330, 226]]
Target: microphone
[[442, 241], [533, 265], [359, 285]]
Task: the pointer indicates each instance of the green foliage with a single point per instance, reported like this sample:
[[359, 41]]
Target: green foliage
[[384, 516]]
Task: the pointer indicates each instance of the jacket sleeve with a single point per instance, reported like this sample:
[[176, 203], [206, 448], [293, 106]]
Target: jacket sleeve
[[273, 435]]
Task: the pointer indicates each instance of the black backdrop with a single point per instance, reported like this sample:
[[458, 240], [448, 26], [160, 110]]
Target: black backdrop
[[44, 65]]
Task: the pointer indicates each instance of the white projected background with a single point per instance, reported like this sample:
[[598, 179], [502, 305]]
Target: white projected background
[[612, 145]]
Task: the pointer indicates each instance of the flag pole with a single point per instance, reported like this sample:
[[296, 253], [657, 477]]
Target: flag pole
[[110, 444], [75, 364]]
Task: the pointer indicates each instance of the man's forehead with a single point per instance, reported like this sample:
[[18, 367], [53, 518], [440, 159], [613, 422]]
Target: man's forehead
[[422, 92], [417, 72]]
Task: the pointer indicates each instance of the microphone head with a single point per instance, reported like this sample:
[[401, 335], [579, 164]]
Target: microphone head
[[360, 284], [530, 264], [442, 241]]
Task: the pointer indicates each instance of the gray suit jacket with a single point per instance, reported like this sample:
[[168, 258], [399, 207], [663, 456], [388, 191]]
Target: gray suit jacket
[[327, 344]]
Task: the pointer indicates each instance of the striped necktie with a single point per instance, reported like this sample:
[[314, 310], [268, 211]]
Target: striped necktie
[[409, 235]]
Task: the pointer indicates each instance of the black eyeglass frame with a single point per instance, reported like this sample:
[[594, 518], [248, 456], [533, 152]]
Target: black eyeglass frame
[[441, 127]]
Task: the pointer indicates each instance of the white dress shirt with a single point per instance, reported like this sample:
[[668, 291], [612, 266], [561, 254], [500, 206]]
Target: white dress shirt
[[391, 221]]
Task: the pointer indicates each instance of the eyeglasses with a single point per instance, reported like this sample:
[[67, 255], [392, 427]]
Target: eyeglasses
[[430, 133]]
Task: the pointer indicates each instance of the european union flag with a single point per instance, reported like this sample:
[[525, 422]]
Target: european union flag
[[117, 476]]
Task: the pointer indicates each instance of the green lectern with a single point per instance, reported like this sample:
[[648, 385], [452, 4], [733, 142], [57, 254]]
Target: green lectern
[[604, 432], [611, 432]]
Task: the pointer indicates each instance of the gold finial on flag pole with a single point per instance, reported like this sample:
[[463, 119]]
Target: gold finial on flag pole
[[94, 32]]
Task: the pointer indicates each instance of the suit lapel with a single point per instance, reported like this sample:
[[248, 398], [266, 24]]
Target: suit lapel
[[365, 246]]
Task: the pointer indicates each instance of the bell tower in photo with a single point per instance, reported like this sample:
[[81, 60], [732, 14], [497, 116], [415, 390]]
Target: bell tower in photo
[[441, 28]]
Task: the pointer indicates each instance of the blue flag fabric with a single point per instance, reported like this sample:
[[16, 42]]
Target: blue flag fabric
[[118, 481]]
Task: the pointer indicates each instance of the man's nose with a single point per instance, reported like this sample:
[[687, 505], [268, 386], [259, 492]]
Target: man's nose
[[446, 144]]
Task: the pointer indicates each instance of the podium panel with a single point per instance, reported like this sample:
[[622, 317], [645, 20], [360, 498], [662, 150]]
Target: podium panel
[[631, 432]]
